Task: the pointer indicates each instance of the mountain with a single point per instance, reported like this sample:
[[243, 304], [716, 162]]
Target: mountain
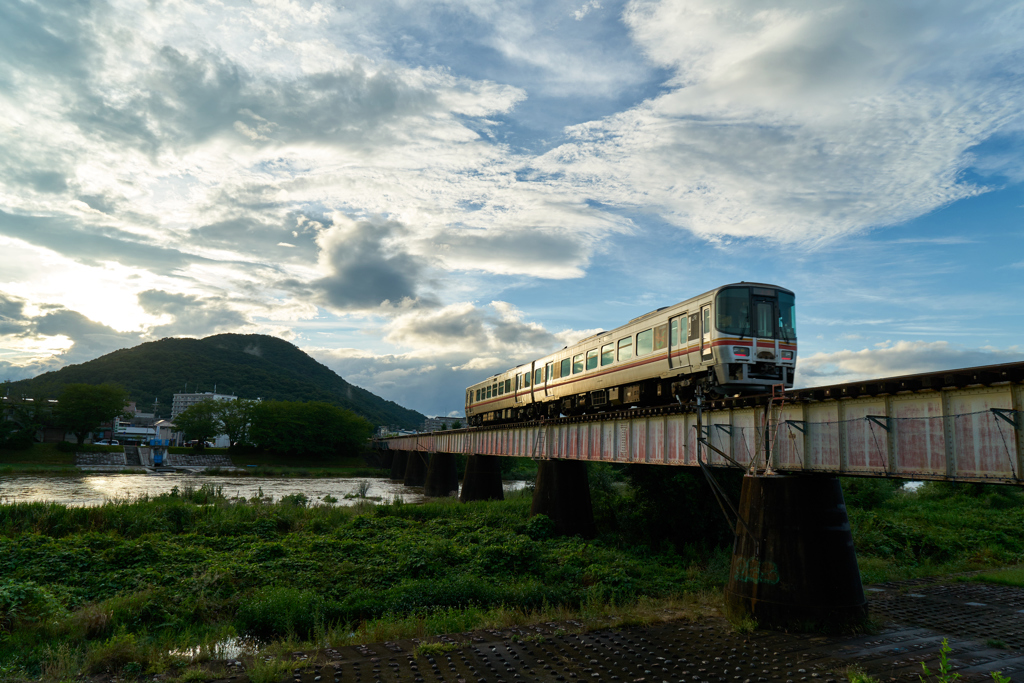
[[245, 365]]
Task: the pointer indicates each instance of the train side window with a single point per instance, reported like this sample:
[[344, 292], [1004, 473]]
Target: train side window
[[508, 385], [494, 390], [501, 388], [538, 376], [673, 333], [644, 342], [660, 337], [477, 394], [625, 348], [607, 354], [577, 363], [549, 370], [694, 327], [488, 390], [526, 380], [591, 359], [564, 367]]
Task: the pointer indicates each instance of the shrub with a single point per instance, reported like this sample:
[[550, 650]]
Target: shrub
[[868, 493], [278, 612], [116, 654], [25, 602]]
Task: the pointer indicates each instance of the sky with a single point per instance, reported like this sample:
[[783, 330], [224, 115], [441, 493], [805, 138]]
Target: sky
[[422, 193]]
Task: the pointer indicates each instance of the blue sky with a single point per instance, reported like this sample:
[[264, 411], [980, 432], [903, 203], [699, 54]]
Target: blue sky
[[423, 193]]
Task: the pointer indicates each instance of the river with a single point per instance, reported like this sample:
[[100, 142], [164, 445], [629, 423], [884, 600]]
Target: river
[[96, 489]]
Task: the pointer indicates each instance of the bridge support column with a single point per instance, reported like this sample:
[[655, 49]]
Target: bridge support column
[[386, 457], [416, 469], [442, 479], [398, 465], [794, 561], [563, 494], [482, 480]]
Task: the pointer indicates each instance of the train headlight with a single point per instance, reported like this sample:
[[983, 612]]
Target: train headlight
[[787, 355], [741, 351]]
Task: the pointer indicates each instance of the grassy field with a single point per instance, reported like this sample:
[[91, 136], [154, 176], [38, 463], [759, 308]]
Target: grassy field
[[941, 528], [120, 587], [128, 582]]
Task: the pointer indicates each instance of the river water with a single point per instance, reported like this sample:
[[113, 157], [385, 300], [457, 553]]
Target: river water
[[95, 489]]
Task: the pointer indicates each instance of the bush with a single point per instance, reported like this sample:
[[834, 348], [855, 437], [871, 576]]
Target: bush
[[25, 602], [868, 493], [280, 612], [122, 651]]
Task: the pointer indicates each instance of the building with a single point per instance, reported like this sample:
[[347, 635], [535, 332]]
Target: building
[[182, 401], [436, 424]]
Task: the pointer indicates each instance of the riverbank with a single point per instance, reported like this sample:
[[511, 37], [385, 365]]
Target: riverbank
[[44, 459], [128, 587]]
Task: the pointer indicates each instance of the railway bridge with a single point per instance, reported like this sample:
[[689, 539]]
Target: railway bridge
[[793, 557]]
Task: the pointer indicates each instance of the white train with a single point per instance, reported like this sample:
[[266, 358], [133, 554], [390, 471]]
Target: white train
[[739, 338]]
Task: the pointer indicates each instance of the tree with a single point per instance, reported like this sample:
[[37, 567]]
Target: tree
[[81, 408], [200, 420], [235, 418], [313, 430]]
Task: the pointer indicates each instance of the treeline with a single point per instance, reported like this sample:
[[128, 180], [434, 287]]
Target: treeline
[[292, 429]]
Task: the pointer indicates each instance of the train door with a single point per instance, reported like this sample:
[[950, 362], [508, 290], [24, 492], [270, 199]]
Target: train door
[[677, 357], [705, 333]]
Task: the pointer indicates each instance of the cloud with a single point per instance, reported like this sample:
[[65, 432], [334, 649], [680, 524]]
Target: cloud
[[800, 123], [89, 339], [545, 253], [367, 265], [448, 349], [190, 315], [894, 359]]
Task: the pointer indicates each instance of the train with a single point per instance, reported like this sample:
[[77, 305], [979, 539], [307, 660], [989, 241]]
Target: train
[[736, 339]]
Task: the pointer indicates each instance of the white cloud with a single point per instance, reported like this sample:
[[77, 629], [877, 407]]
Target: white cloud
[[890, 359], [801, 122]]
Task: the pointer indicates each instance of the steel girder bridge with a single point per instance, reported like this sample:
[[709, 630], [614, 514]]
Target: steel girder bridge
[[793, 558]]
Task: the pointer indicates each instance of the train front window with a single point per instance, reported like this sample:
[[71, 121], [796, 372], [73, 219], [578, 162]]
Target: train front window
[[787, 316], [765, 316], [732, 307]]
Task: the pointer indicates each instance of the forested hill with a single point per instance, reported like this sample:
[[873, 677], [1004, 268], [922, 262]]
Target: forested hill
[[245, 365]]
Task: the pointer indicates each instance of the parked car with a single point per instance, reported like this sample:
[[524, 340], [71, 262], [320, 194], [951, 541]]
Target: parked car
[[105, 442]]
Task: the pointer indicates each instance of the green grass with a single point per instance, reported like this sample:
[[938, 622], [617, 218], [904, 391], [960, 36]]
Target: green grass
[[40, 454], [940, 529], [1013, 576], [114, 586]]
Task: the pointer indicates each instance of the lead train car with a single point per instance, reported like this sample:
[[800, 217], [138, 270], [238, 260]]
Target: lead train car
[[739, 338]]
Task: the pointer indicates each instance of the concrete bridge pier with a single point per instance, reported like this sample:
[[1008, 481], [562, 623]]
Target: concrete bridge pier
[[398, 465], [416, 468], [442, 480], [386, 457], [563, 494], [482, 480], [793, 559]]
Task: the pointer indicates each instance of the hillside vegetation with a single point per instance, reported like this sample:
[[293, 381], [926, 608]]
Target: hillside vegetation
[[246, 365]]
